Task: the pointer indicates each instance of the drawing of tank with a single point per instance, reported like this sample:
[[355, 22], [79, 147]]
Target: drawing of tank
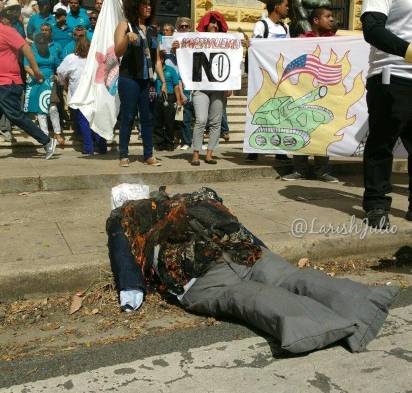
[[286, 124]]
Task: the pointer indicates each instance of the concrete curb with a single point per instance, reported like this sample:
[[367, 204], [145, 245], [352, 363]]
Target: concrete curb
[[44, 280], [242, 171], [93, 181]]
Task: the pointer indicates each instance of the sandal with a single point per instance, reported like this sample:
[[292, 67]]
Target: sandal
[[124, 162], [211, 161], [152, 162], [60, 139], [195, 162]]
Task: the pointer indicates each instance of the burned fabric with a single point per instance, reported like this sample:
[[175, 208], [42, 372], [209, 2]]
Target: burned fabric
[[193, 232]]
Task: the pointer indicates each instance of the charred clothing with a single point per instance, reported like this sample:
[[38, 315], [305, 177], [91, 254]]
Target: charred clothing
[[192, 231]]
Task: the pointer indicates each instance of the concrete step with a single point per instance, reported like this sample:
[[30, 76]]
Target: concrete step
[[67, 170]]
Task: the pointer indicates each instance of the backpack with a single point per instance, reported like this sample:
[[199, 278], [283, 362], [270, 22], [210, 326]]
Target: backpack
[[265, 35]]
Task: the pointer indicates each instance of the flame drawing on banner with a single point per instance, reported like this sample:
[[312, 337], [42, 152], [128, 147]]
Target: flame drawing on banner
[[301, 113]]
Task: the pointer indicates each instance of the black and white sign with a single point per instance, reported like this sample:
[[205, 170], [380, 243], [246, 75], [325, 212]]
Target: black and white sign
[[210, 61]]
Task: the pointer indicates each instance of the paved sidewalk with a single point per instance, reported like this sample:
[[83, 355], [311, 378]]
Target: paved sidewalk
[[53, 241]]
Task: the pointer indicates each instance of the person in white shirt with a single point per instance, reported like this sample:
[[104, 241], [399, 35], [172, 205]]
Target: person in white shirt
[[71, 70], [272, 27], [387, 26], [63, 4]]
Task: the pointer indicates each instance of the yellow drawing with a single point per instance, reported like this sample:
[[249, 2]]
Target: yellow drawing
[[306, 123]]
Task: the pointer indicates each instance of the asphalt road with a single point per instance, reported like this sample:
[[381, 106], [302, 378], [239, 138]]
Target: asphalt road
[[234, 348]]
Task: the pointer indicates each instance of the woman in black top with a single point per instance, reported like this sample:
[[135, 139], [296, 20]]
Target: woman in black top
[[136, 42]]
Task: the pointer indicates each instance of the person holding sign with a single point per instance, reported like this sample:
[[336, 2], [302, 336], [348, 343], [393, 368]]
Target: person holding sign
[[136, 43], [209, 105]]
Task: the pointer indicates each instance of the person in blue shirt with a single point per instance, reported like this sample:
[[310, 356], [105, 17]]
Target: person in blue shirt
[[165, 108], [36, 20], [54, 47], [37, 99], [93, 20], [79, 32], [77, 16], [60, 31]]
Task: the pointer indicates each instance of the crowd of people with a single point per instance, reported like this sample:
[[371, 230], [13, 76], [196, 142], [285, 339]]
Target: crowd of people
[[43, 50], [150, 89]]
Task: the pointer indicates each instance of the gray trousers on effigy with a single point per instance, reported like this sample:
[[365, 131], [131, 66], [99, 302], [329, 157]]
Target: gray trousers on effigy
[[208, 107], [303, 309]]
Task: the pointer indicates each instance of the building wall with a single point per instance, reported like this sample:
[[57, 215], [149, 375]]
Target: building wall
[[245, 13], [238, 13]]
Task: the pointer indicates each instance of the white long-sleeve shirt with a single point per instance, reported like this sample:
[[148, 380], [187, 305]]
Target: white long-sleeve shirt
[[71, 69]]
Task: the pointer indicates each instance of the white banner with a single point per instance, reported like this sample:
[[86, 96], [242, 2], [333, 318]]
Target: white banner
[[210, 61], [96, 95], [307, 96]]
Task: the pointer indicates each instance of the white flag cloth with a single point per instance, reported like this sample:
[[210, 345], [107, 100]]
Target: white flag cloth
[[210, 61], [96, 95], [308, 96]]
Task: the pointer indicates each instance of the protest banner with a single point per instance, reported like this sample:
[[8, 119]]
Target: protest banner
[[96, 95], [210, 61], [308, 96]]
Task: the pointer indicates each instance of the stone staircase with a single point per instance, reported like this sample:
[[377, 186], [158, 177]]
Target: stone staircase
[[236, 111]]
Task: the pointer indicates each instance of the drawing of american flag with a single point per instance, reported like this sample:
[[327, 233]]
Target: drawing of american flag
[[309, 64]]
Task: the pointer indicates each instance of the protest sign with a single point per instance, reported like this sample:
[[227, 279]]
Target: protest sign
[[308, 96], [166, 43], [96, 95], [210, 61]]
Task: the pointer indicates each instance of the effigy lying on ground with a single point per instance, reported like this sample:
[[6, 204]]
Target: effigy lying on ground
[[191, 245]]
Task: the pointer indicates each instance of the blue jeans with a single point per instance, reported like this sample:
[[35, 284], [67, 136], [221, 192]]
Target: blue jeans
[[89, 136], [134, 95], [224, 128], [10, 106], [187, 132]]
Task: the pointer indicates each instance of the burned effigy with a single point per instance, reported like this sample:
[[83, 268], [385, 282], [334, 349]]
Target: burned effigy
[[193, 246]]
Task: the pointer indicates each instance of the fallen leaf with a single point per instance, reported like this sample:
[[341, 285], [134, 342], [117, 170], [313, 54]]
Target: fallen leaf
[[95, 311], [24, 193], [303, 262], [68, 349], [76, 304]]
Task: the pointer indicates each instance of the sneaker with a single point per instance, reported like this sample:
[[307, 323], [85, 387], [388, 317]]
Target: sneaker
[[50, 148], [7, 136], [327, 178], [185, 147], [225, 136], [409, 215], [378, 218], [293, 176]]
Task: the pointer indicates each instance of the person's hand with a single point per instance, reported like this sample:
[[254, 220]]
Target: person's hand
[[175, 45], [38, 75], [132, 37], [164, 88]]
